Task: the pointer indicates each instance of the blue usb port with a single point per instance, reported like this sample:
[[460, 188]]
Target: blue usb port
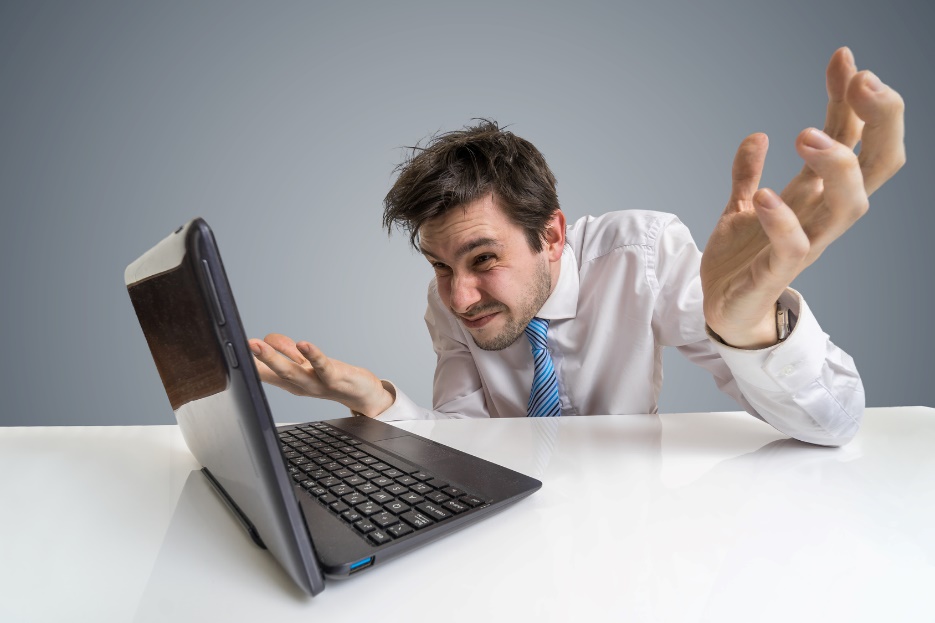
[[360, 564]]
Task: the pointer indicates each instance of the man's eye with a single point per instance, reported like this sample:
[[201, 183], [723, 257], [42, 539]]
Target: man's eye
[[439, 267], [483, 259]]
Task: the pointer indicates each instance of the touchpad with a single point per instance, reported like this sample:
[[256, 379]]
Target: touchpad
[[416, 449]]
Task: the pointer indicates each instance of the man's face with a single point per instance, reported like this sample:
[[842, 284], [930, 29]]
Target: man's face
[[487, 275]]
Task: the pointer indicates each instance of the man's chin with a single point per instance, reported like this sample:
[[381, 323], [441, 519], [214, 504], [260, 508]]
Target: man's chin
[[489, 338]]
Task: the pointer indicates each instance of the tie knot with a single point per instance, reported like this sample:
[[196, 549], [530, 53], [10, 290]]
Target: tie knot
[[537, 331]]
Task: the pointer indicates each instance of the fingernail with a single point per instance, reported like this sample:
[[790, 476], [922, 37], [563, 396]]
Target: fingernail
[[816, 139], [849, 57], [254, 349], [766, 198], [874, 83]]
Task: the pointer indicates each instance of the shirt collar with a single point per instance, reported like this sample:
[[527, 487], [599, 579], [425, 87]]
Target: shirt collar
[[563, 302]]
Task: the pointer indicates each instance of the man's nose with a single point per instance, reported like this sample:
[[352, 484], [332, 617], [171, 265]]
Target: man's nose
[[464, 293]]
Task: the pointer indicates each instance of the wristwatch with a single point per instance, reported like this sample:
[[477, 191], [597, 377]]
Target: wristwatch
[[783, 321]]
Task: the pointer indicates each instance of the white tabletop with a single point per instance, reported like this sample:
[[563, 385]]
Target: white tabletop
[[686, 517]]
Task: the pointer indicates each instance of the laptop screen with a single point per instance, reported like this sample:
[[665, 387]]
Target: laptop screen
[[187, 312]]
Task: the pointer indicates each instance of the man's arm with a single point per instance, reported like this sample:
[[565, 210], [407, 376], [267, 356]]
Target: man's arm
[[302, 369], [764, 240], [806, 387]]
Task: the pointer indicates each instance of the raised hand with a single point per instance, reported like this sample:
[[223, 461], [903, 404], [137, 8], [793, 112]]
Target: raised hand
[[764, 240], [302, 369]]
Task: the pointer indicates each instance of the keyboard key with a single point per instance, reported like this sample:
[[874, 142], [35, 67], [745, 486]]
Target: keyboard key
[[472, 500], [329, 482], [354, 481], [422, 476], [368, 488], [378, 537], [406, 480], [351, 516], [416, 519], [396, 507], [368, 508], [397, 489], [421, 487], [343, 473], [384, 519], [366, 460], [382, 481], [327, 498], [363, 526], [391, 472], [316, 490], [399, 530], [438, 497], [455, 506], [339, 506], [438, 484], [433, 510], [357, 454], [342, 490], [380, 466], [453, 492], [355, 498], [411, 498], [381, 497]]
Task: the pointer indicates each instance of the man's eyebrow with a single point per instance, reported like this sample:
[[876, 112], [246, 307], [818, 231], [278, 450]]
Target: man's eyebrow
[[467, 247]]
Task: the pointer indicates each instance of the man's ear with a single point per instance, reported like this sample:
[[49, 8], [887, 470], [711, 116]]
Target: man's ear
[[555, 236]]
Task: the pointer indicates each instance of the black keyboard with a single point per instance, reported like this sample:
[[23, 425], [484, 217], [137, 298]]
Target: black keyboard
[[382, 497]]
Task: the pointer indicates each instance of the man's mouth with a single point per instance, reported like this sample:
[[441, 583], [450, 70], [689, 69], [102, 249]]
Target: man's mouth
[[479, 320]]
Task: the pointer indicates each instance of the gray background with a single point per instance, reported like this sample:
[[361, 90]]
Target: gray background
[[280, 123]]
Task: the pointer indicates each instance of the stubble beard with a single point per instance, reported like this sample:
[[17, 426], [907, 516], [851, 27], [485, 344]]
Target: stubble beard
[[536, 296]]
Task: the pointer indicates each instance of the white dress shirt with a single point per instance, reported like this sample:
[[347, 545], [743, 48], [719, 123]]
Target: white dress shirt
[[629, 285]]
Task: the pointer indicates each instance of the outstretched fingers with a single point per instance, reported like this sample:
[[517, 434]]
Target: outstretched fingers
[[319, 361], [841, 123], [844, 197], [747, 171], [882, 146], [280, 363]]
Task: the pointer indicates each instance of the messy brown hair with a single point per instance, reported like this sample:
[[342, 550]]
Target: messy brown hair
[[459, 167]]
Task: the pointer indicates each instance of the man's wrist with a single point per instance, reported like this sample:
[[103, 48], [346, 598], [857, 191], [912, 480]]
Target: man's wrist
[[380, 403], [772, 330]]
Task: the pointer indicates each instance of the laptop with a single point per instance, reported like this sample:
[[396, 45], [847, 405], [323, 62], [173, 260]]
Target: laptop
[[327, 499]]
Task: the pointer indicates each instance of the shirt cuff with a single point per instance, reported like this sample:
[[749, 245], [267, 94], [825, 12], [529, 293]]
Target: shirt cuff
[[787, 366], [403, 408]]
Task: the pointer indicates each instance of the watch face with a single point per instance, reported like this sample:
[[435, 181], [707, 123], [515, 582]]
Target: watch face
[[782, 322]]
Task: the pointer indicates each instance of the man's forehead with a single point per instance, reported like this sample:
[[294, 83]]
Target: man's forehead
[[464, 228]]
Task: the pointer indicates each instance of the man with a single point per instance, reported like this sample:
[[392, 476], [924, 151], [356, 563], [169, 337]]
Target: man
[[599, 299]]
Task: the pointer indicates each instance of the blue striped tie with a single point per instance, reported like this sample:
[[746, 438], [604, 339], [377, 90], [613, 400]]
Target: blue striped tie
[[543, 398]]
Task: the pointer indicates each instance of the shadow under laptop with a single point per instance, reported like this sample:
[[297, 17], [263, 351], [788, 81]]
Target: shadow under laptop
[[205, 548]]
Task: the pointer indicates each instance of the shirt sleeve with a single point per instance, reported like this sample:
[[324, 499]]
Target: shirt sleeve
[[457, 391], [805, 387]]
